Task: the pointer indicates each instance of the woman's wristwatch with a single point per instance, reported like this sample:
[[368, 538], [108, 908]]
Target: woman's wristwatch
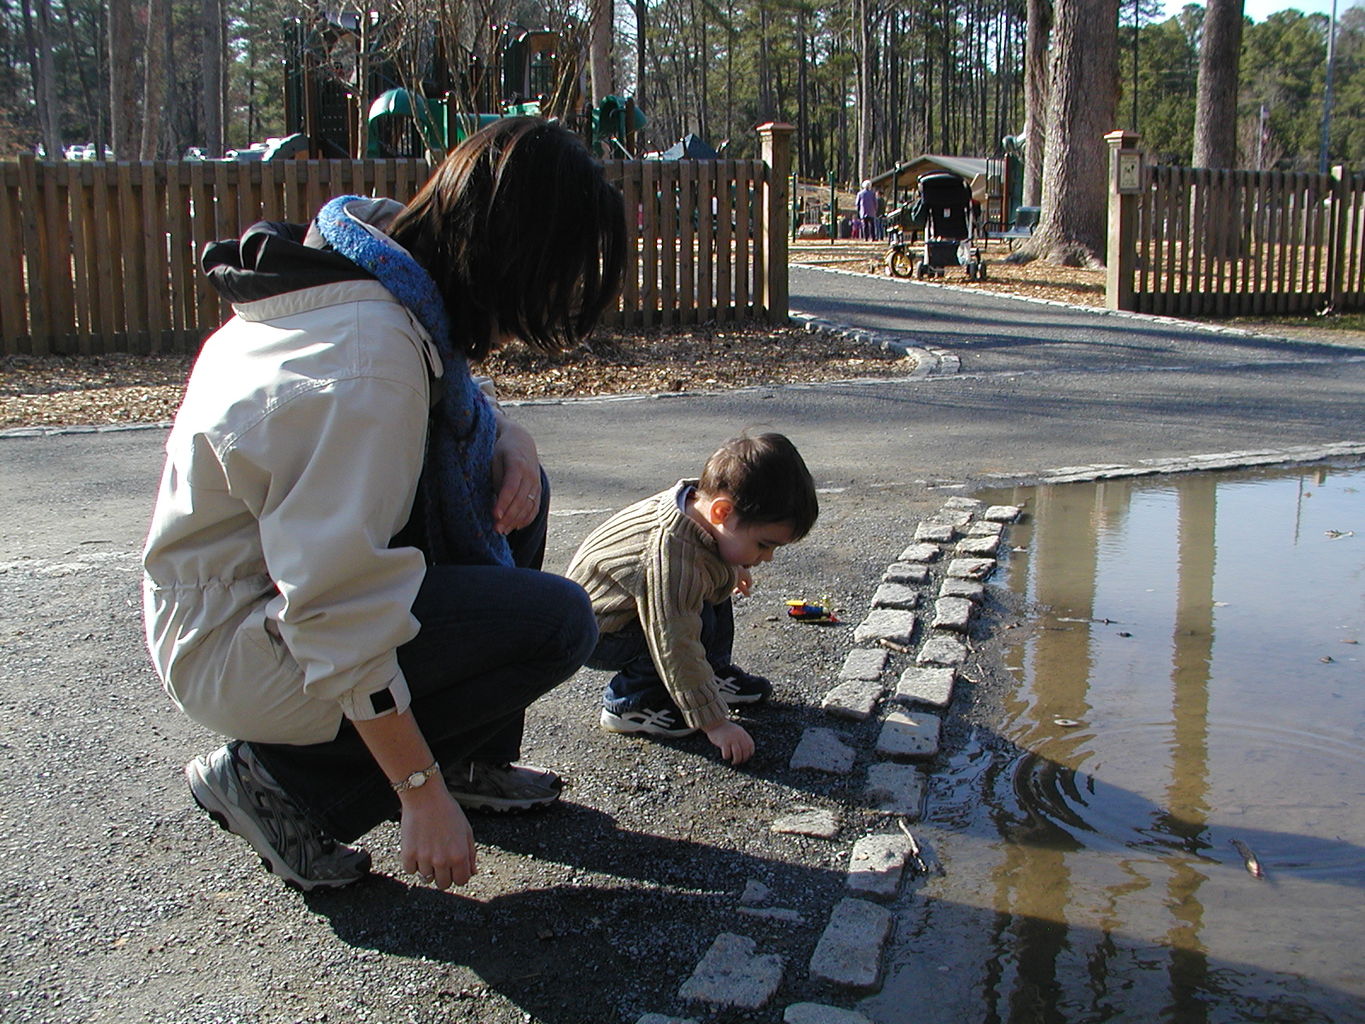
[[416, 779]]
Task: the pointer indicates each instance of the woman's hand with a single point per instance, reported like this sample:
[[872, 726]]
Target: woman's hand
[[744, 583], [437, 842], [516, 475]]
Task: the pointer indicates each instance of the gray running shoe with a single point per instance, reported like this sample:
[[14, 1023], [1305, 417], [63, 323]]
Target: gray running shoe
[[240, 795], [488, 786]]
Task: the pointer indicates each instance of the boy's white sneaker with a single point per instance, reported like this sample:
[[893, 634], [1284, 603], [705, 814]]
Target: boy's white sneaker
[[654, 721]]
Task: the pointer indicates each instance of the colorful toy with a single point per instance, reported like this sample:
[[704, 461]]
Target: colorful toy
[[810, 611]]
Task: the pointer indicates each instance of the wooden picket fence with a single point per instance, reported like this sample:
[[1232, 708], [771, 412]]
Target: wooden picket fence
[[106, 258], [1241, 243]]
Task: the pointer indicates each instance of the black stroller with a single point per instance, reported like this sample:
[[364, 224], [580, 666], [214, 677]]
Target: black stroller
[[944, 208]]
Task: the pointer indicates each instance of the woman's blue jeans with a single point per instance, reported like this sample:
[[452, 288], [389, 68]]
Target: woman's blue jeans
[[637, 683], [492, 640]]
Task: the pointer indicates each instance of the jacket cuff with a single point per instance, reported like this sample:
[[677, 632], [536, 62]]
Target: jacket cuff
[[392, 699], [707, 715]]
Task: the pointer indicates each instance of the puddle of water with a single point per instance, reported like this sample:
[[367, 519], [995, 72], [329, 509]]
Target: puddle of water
[[1190, 694]]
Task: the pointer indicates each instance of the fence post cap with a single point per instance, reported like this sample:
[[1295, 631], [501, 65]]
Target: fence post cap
[[1122, 138]]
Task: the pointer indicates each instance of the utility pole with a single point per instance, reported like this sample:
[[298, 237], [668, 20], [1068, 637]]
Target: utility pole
[[1327, 91]]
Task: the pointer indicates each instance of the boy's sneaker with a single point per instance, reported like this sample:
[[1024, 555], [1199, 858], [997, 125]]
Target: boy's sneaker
[[739, 687], [665, 721], [240, 795], [488, 786]]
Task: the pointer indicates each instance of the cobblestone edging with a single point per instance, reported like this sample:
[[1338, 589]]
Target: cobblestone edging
[[929, 362], [931, 592]]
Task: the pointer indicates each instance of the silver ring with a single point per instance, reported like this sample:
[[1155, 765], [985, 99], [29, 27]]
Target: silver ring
[[532, 497]]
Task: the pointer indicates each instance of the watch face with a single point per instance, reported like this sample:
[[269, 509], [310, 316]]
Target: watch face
[[416, 779]]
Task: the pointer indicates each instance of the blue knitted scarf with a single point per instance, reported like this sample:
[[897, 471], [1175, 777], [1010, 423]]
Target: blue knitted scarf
[[455, 492]]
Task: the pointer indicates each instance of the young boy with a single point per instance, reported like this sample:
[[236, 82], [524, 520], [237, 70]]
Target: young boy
[[660, 574]]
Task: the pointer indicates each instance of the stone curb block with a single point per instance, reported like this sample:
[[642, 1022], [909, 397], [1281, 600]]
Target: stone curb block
[[808, 821], [905, 572], [886, 624], [971, 568], [849, 952], [864, 663], [819, 1013], [934, 533], [730, 974], [954, 613], [877, 863], [855, 699], [909, 734], [977, 547], [958, 501], [895, 595], [985, 528], [823, 751], [919, 553], [970, 589], [945, 651], [926, 685], [895, 789]]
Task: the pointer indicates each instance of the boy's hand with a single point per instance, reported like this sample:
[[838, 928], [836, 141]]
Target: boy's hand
[[745, 581], [733, 742]]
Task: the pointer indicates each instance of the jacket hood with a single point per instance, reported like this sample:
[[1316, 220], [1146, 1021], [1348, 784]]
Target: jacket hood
[[271, 258]]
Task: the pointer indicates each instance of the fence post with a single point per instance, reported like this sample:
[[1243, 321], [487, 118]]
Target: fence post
[[777, 154], [1338, 232], [1125, 185], [34, 234]]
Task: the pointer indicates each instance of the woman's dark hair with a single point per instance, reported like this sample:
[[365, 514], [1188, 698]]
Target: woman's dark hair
[[522, 235], [767, 480]]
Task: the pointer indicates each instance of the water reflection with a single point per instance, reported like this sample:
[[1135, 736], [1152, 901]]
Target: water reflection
[[1190, 692]]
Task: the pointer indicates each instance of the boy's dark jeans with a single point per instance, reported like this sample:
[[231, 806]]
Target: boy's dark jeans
[[492, 640], [636, 683]]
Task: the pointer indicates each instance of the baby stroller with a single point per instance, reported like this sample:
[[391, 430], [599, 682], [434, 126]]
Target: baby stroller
[[944, 209]]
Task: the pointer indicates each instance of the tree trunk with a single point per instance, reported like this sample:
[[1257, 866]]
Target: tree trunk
[[85, 68], [211, 28], [122, 82], [641, 8], [154, 87], [1036, 38], [599, 50], [862, 39], [1215, 115], [38, 40], [1081, 109]]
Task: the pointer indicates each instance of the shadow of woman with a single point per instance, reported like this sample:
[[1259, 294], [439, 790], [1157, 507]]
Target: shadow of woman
[[630, 925]]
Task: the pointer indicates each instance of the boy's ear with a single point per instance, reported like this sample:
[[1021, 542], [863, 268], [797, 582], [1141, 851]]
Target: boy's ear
[[720, 510]]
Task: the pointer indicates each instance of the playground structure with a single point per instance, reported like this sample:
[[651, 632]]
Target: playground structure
[[348, 97]]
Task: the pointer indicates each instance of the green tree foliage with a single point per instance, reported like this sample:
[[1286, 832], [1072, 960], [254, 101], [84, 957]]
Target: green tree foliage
[[1348, 109], [1283, 63], [942, 76], [1168, 72]]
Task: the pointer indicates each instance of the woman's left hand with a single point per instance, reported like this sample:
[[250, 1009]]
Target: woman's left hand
[[516, 475]]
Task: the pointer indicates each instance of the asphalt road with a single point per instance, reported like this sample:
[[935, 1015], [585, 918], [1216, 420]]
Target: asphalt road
[[120, 903]]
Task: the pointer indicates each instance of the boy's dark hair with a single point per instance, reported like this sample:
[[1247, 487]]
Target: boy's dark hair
[[767, 480], [522, 234]]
